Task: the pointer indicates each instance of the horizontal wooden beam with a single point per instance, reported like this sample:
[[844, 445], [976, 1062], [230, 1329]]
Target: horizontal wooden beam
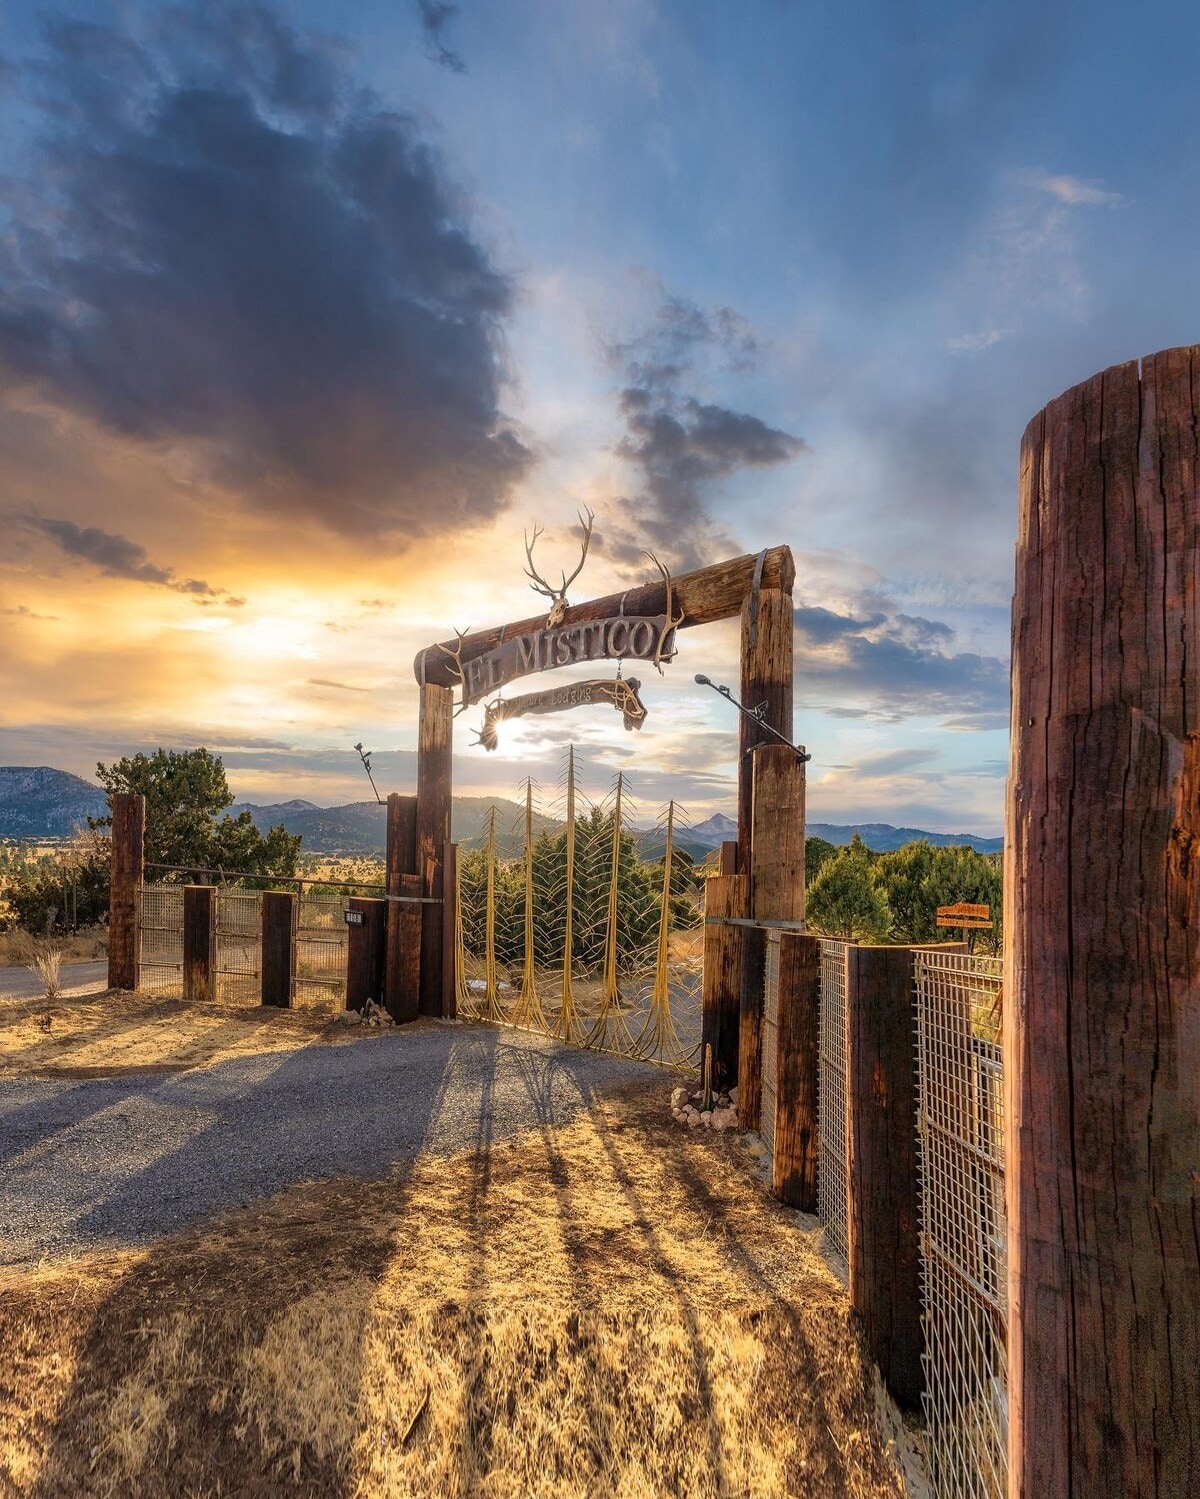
[[705, 596]]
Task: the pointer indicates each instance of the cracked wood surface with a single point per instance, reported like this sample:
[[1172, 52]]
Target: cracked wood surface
[[1102, 927]]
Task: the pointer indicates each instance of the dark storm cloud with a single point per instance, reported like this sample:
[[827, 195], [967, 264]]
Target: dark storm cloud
[[683, 446], [225, 244], [434, 15], [899, 667], [116, 556]]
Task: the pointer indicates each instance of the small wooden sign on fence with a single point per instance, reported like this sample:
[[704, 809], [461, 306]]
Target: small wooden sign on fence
[[965, 914]]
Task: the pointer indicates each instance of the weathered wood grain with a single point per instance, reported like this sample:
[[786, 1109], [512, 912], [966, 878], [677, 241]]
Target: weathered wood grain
[[794, 1164], [278, 947], [199, 943], [366, 952], [1102, 937], [766, 678], [401, 858], [882, 1190], [125, 889], [724, 895]]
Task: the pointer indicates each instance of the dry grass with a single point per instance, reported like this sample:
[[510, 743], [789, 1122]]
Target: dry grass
[[104, 1034], [85, 946], [610, 1308]]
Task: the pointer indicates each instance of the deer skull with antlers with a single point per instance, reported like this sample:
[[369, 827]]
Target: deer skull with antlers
[[539, 584]]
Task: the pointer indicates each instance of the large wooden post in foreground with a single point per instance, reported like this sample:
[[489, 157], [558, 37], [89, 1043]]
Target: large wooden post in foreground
[[725, 895], [797, 1050], [366, 952], [766, 678], [434, 761], [278, 947], [882, 1226], [125, 888], [1102, 938]]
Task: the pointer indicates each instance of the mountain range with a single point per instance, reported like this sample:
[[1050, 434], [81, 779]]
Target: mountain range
[[40, 802]]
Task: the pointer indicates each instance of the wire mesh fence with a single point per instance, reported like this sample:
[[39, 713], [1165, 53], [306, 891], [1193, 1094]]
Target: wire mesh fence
[[770, 1041], [963, 1228], [238, 966], [161, 956], [583, 921], [320, 945], [831, 1092]]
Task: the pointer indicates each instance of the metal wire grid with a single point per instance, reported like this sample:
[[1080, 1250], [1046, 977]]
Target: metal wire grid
[[161, 957], [770, 1042], [238, 970], [960, 1128], [320, 946], [831, 1092]]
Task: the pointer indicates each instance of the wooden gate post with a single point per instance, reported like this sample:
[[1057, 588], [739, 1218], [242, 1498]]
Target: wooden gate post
[[125, 889], [278, 947], [776, 894], [766, 678], [882, 1225], [434, 769], [1102, 942], [402, 969], [797, 1050], [366, 951], [450, 931], [200, 943], [725, 895]]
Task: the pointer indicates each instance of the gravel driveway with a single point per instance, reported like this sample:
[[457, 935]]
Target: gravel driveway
[[77, 978], [123, 1160]]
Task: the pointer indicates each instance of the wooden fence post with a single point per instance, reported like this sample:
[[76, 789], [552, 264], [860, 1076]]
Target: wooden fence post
[[797, 1139], [434, 771], [199, 943], [449, 931], [366, 951], [766, 678], [882, 1225], [125, 889], [1102, 942], [725, 895], [278, 947], [402, 968], [776, 894]]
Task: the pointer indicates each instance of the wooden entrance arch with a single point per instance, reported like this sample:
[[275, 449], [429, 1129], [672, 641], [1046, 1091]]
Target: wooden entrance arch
[[758, 588]]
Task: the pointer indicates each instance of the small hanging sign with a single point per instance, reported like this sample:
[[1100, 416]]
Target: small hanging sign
[[965, 914], [621, 693]]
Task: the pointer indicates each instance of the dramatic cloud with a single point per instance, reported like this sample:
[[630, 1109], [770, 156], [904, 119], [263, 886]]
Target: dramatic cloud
[[680, 444], [227, 247], [117, 556], [897, 667], [434, 15]]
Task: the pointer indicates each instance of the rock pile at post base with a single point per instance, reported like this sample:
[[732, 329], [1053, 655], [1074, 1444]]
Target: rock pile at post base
[[690, 1110]]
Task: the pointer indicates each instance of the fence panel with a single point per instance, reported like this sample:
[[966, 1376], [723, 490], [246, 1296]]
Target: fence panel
[[321, 943], [831, 1092], [162, 939], [963, 1228], [239, 946]]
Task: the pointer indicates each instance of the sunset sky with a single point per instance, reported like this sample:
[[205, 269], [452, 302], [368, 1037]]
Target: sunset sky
[[307, 311]]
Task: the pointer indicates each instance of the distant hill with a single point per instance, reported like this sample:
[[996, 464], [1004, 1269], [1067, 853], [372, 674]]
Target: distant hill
[[883, 838], [38, 802]]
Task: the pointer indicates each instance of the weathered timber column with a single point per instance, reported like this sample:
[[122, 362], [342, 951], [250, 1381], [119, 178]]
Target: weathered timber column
[[199, 943], [278, 947], [402, 966], [1102, 942], [725, 895], [125, 889], [776, 894], [366, 950], [766, 678], [449, 931], [883, 1232], [797, 1138], [434, 752]]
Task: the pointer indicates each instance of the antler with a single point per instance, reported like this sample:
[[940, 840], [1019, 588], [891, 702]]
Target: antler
[[456, 665], [673, 623], [548, 590]]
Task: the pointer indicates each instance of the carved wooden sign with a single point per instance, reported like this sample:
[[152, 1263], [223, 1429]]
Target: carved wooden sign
[[622, 694], [619, 638]]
